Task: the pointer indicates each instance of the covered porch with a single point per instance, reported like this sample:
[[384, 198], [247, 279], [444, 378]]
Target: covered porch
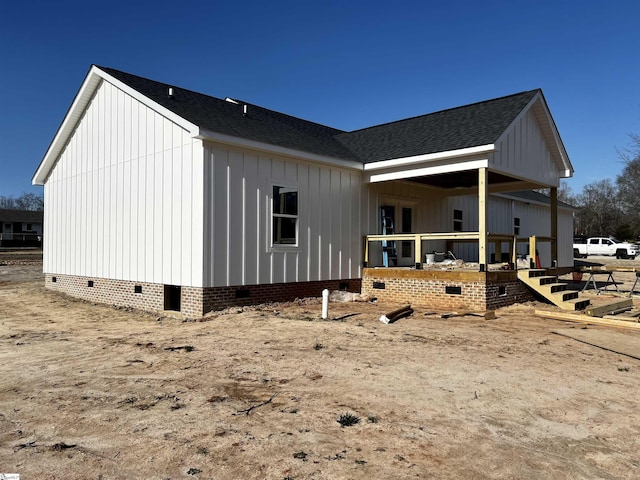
[[496, 239], [466, 180]]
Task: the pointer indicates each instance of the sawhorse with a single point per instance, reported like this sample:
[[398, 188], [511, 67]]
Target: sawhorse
[[592, 280]]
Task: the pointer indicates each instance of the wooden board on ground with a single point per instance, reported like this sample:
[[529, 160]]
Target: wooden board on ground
[[625, 343], [581, 318], [609, 307]]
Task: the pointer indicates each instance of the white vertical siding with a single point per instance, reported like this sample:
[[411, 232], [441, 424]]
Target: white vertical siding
[[523, 152], [238, 185], [124, 200]]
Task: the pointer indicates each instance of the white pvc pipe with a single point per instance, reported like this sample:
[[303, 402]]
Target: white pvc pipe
[[325, 304]]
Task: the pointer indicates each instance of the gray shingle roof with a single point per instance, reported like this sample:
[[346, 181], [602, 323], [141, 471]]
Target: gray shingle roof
[[22, 216], [468, 126], [534, 196], [221, 116], [462, 127]]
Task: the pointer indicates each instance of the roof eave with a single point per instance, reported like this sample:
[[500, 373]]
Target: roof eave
[[278, 150], [429, 157]]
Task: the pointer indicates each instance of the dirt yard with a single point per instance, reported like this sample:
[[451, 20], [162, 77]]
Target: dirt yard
[[92, 392]]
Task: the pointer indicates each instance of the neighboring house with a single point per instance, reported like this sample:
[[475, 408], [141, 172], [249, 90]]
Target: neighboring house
[[20, 228], [163, 198]]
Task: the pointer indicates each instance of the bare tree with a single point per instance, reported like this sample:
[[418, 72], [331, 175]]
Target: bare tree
[[629, 186], [599, 211], [26, 201], [565, 194]]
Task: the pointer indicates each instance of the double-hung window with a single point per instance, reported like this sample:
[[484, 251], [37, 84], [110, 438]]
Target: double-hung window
[[285, 215], [457, 220]]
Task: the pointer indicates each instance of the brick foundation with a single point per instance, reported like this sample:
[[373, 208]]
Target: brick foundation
[[445, 290], [194, 301]]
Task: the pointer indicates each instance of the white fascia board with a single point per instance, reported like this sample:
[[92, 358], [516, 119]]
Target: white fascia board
[[434, 170], [275, 149], [430, 157], [82, 98], [77, 109]]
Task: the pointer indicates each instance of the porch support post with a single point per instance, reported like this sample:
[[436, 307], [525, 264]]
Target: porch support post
[[482, 218], [365, 263], [418, 252], [554, 226]]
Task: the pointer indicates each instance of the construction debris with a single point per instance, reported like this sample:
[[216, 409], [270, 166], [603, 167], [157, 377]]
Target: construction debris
[[396, 314], [489, 315]]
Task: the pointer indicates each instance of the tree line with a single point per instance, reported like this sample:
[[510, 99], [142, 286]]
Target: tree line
[[610, 207], [26, 201]]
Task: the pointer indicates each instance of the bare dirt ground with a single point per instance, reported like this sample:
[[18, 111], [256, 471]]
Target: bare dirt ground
[[92, 392]]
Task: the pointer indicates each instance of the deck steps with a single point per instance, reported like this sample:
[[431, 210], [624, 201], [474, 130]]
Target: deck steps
[[554, 291]]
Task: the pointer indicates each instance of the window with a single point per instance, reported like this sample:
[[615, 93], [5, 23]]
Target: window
[[516, 226], [457, 220], [285, 216]]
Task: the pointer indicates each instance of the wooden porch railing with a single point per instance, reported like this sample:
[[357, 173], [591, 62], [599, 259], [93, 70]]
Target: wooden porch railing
[[496, 239]]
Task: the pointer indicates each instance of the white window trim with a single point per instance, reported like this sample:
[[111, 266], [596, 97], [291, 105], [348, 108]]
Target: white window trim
[[280, 247]]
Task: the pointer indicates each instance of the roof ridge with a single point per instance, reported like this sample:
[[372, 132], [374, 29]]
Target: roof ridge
[[490, 100]]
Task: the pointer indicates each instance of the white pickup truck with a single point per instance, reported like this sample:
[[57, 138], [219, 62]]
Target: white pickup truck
[[604, 246]]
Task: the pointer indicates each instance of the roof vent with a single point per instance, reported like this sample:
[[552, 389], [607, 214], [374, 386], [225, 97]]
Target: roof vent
[[244, 110], [170, 92]]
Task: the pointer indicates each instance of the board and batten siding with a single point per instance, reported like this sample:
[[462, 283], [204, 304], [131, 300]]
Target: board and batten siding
[[523, 153], [434, 213], [501, 212], [124, 200], [237, 240]]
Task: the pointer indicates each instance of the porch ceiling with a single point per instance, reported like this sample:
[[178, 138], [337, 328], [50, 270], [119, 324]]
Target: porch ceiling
[[468, 179]]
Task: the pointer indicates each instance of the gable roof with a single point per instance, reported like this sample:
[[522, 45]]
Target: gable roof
[[476, 125]]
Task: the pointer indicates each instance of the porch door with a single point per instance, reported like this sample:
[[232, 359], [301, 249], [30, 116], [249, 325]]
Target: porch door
[[401, 216]]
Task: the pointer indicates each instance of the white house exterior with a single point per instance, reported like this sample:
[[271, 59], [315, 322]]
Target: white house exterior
[[20, 228], [161, 198]]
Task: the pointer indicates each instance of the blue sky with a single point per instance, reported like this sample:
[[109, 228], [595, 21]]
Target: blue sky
[[347, 64]]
